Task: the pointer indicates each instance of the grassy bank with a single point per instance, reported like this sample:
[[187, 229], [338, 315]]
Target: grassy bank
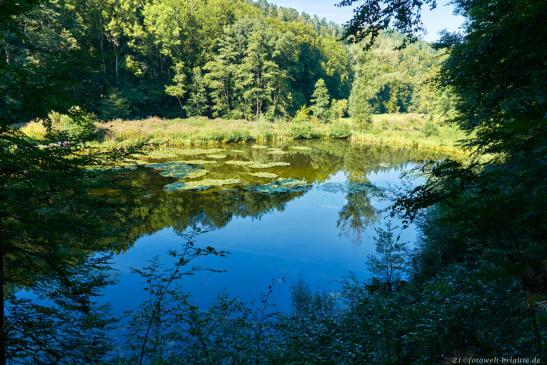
[[400, 130]]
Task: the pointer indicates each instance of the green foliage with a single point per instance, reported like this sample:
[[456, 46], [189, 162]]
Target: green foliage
[[178, 88], [303, 115], [77, 124], [302, 131], [339, 130], [482, 240], [198, 101], [430, 129], [114, 105], [123, 58], [339, 108], [388, 80], [320, 101]]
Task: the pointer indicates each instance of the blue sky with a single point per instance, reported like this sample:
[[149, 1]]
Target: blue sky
[[434, 21]]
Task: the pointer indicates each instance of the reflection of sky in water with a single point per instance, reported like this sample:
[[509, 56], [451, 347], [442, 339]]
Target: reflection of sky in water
[[301, 242]]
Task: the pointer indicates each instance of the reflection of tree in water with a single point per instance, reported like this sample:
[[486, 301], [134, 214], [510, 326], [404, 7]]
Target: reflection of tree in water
[[51, 247], [356, 215]]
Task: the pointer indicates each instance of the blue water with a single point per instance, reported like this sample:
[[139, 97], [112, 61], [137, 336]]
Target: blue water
[[299, 240]]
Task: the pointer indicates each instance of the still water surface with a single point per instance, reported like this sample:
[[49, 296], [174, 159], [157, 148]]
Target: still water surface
[[318, 232]]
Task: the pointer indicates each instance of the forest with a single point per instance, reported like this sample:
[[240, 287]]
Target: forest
[[217, 58], [111, 111]]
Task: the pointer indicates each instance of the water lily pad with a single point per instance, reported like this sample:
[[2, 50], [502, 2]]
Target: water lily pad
[[264, 175], [268, 165], [259, 147], [281, 186], [199, 185], [237, 151], [300, 148]]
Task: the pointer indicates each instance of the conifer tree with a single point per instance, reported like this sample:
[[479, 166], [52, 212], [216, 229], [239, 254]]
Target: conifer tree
[[320, 101]]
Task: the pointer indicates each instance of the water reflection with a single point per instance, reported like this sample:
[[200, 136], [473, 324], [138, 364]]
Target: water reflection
[[303, 233], [152, 209]]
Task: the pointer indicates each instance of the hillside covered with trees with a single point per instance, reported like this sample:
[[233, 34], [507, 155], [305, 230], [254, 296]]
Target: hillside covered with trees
[[216, 58]]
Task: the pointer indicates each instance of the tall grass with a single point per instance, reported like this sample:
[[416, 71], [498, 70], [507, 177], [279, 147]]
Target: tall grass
[[401, 130]]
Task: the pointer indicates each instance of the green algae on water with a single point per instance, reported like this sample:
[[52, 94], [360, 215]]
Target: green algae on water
[[281, 186], [196, 174], [264, 175], [172, 169], [239, 163], [258, 165], [199, 185]]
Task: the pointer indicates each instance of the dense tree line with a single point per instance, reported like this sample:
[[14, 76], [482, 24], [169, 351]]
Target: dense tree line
[[393, 80], [129, 58], [216, 58]]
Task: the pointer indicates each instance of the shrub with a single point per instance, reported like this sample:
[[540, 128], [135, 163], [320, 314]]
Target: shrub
[[303, 131], [362, 124], [430, 129], [303, 115], [35, 129], [77, 124], [238, 137], [339, 131]]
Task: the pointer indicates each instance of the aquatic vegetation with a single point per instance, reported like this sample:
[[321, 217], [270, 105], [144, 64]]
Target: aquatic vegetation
[[200, 185], [259, 147], [172, 168], [217, 156], [239, 163], [173, 186], [281, 186], [199, 151], [276, 151], [161, 165], [300, 148], [177, 171], [198, 162], [164, 153], [264, 175], [197, 173], [258, 165]]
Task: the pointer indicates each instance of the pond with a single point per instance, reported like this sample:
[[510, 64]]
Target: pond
[[283, 213]]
